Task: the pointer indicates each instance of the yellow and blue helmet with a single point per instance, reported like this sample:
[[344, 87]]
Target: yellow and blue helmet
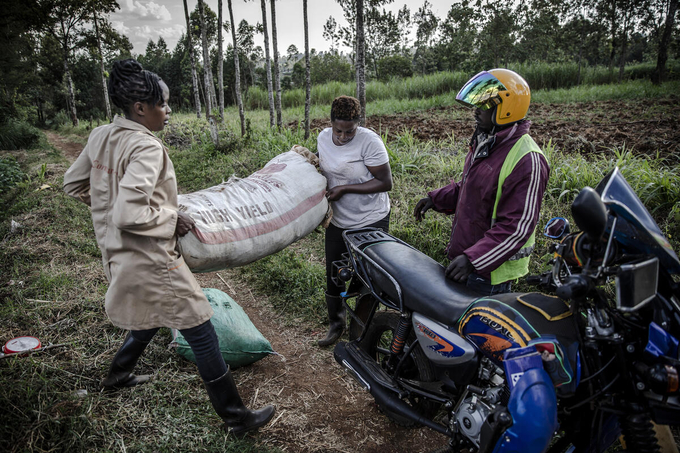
[[498, 87]]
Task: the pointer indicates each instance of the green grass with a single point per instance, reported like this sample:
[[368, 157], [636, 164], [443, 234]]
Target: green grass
[[52, 286], [540, 76]]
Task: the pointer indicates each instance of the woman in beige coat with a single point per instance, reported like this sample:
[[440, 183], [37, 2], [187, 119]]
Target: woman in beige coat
[[126, 176]]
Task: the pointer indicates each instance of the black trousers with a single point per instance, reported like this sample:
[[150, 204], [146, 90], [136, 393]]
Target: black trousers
[[335, 247], [203, 342]]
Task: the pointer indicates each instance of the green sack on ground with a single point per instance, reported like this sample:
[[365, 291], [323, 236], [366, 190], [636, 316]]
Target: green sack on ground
[[240, 341]]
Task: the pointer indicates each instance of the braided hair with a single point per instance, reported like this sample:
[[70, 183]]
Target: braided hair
[[346, 108], [130, 83]]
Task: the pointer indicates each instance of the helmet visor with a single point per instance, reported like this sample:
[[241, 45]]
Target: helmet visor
[[481, 91]]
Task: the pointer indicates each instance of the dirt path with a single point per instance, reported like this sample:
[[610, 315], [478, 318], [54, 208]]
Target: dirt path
[[70, 150], [319, 407]]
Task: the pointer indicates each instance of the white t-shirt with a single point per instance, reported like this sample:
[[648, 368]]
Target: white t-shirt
[[346, 164]]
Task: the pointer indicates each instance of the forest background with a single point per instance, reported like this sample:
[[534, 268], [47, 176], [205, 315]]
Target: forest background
[[55, 54]]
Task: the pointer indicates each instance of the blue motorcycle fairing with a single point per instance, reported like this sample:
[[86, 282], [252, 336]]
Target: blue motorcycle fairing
[[661, 343], [533, 407]]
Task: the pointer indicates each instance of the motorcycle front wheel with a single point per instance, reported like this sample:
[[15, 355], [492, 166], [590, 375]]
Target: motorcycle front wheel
[[376, 344]]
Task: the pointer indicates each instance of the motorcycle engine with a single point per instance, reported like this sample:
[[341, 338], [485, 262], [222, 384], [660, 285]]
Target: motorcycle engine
[[472, 412], [471, 416]]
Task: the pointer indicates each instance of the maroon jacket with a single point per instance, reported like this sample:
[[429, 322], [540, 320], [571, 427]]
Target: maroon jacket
[[472, 200]]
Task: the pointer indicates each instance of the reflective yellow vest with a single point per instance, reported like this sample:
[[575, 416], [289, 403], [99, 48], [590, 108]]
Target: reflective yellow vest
[[518, 264]]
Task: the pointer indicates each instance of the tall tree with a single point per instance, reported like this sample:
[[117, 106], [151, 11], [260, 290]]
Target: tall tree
[[277, 79], [237, 71], [384, 34], [330, 33], [374, 25], [361, 61], [659, 74], [63, 20], [497, 36], [630, 12], [220, 58], [458, 35], [207, 70], [268, 64], [107, 104], [308, 83], [194, 78], [426, 28], [19, 59], [246, 44]]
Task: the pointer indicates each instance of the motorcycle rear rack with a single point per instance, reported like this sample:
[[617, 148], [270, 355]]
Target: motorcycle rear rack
[[359, 239]]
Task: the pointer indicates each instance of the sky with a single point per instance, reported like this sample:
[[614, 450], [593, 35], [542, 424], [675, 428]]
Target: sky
[[142, 20]]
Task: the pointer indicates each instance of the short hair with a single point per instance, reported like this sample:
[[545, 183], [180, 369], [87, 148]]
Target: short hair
[[346, 108], [130, 83]]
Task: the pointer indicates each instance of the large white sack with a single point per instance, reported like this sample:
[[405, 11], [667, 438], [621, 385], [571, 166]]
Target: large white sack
[[243, 220]]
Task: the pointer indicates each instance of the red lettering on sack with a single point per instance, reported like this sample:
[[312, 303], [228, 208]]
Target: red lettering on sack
[[268, 207], [273, 168], [247, 232]]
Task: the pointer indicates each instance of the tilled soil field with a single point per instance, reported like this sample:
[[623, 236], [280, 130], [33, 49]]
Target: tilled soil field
[[642, 126]]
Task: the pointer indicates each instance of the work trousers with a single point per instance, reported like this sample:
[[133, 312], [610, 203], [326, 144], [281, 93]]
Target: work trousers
[[203, 342]]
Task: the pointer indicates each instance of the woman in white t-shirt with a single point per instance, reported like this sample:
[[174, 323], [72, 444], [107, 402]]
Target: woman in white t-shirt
[[356, 164]]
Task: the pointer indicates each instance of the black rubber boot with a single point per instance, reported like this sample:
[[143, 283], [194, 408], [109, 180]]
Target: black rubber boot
[[120, 373], [336, 317], [227, 402]]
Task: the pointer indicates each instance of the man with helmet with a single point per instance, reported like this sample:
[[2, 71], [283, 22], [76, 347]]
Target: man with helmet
[[497, 201]]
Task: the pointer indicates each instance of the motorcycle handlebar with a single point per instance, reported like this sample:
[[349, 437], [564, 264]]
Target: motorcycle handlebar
[[574, 286]]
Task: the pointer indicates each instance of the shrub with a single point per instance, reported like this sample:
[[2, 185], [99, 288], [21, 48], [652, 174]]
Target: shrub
[[395, 66], [60, 119], [10, 174], [15, 134]]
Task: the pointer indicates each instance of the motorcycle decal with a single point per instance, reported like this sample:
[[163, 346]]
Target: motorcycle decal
[[443, 346], [492, 344], [497, 321], [489, 341]]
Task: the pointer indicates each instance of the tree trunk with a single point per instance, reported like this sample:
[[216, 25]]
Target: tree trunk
[[277, 79], [71, 91], [659, 74], [580, 48], [361, 61], [194, 77], [207, 71], [237, 75], [107, 104], [220, 58], [308, 79], [613, 31], [624, 46], [268, 66]]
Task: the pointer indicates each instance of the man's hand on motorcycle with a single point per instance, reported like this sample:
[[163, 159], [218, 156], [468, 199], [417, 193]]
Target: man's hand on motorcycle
[[184, 224], [423, 205], [459, 269]]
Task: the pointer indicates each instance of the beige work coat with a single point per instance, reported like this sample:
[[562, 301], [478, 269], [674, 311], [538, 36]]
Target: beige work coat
[[126, 176]]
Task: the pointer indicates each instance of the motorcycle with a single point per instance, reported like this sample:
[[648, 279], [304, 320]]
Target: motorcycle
[[569, 369]]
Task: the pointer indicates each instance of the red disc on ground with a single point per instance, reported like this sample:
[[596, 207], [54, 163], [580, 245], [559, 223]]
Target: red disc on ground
[[20, 344]]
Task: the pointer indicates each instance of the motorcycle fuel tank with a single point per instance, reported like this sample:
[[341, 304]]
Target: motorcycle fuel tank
[[441, 345]]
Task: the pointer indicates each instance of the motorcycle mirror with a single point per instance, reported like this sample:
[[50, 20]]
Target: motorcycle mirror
[[556, 228], [590, 213]]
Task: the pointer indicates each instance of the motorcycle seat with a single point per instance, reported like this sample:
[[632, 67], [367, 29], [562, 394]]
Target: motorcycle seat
[[424, 286]]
